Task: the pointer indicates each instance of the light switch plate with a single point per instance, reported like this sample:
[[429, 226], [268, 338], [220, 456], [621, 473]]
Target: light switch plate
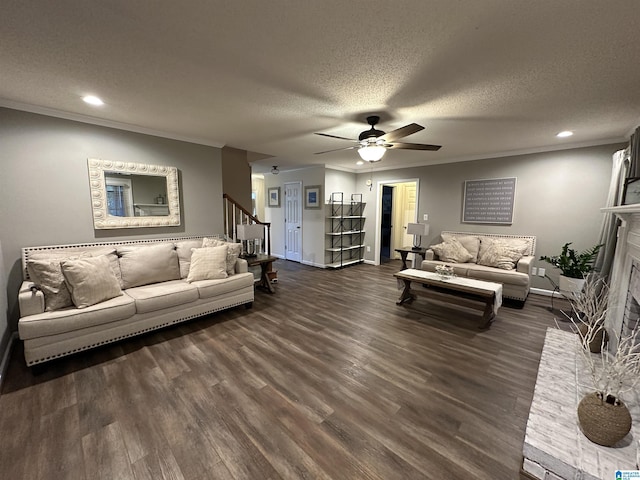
[[425, 217]]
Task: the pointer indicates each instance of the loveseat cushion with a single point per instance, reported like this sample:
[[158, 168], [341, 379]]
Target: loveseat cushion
[[214, 288], [470, 242], [146, 264], [72, 319], [451, 250], [510, 277], [501, 253], [90, 280], [150, 298]]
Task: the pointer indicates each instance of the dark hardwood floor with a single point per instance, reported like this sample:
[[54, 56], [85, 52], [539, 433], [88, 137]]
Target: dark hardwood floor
[[326, 379]]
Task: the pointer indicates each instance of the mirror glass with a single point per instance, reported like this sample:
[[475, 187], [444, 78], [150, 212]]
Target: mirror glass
[[133, 195]]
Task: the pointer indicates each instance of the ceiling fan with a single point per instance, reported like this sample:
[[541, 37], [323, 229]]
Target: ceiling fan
[[372, 143]]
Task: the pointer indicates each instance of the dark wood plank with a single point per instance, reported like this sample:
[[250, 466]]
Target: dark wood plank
[[327, 378]]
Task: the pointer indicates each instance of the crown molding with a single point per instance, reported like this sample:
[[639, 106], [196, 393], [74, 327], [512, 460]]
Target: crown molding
[[77, 117]]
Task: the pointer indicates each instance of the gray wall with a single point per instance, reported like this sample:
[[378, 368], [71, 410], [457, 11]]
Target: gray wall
[[558, 197], [44, 187]]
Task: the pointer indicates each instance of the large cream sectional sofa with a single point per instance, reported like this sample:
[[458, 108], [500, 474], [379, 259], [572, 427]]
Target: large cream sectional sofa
[[507, 259], [153, 284]]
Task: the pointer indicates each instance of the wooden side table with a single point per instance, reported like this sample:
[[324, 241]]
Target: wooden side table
[[266, 265], [404, 251]]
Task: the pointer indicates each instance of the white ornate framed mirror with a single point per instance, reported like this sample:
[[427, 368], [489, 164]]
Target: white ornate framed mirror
[[133, 195]]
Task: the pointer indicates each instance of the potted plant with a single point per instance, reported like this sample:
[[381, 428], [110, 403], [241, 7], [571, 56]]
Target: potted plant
[[574, 266]]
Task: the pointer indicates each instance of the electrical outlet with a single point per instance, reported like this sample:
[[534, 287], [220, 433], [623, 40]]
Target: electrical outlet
[[425, 217], [534, 271], [368, 248], [541, 272]]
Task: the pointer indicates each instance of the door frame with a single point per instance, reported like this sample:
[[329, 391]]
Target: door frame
[[379, 184]]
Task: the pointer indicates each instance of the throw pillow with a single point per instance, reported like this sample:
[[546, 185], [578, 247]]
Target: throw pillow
[[46, 273], [208, 263], [500, 254], [452, 251], [234, 251], [90, 280], [470, 242], [143, 265]]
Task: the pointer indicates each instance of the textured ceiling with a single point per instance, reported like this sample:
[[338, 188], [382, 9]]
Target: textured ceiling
[[485, 78]]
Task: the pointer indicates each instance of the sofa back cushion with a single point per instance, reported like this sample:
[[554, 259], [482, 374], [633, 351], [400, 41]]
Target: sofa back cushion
[[183, 248], [451, 250], [142, 265], [501, 253], [90, 280], [471, 243], [45, 271]]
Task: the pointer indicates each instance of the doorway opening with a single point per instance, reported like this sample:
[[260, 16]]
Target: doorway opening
[[397, 205]]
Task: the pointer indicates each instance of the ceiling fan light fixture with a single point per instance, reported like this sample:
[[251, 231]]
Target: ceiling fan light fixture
[[371, 153], [275, 170]]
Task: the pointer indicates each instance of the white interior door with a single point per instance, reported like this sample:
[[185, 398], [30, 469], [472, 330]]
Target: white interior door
[[293, 221]]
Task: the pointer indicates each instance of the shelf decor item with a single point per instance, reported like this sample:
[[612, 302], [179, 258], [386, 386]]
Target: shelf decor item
[[574, 266]]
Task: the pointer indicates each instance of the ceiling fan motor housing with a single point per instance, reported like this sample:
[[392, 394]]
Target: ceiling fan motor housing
[[372, 132]]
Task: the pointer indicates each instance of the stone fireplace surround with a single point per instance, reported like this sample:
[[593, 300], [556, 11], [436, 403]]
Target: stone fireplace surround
[[554, 447]]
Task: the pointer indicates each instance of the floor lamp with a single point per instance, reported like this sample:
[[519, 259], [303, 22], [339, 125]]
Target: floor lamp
[[417, 230], [250, 232]]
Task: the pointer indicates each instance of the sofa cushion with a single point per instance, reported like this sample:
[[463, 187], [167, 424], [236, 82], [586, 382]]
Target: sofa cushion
[[509, 277], [150, 298], [215, 288], [72, 319], [501, 253], [112, 255], [146, 264], [451, 250], [45, 271], [183, 249], [208, 263], [234, 251], [470, 242], [90, 280]]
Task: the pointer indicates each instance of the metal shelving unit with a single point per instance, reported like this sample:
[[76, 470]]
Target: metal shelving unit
[[345, 231]]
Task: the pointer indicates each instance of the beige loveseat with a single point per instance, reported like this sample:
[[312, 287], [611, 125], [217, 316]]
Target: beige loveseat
[[75, 297], [505, 259]]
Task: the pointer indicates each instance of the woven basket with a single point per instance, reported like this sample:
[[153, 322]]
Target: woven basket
[[603, 422]]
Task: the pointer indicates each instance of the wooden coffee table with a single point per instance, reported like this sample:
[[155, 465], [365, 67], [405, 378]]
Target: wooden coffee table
[[477, 294]]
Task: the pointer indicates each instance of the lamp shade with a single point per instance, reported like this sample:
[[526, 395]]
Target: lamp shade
[[371, 153], [250, 231], [418, 229]]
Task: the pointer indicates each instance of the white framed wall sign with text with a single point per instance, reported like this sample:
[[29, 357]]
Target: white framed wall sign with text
[[489, 200]]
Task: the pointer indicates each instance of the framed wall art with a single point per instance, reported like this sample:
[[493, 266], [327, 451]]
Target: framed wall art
[[631, 192], [489, 201], [312, 196], [273, 197]]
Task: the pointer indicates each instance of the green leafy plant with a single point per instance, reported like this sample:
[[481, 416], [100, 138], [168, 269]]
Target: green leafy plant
[[572, 264]]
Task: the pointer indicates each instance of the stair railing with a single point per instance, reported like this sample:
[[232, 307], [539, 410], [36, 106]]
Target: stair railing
[[235, 214]]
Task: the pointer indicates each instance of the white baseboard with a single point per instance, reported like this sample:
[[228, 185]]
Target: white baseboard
[[5, 358], [313, 264]]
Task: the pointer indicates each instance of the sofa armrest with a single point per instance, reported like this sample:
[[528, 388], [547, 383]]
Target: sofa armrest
[[30, 299], [429, 254], [524, 264], [241, 266]]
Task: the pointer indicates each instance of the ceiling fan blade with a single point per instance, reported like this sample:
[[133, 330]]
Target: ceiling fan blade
[[402, 132], [413, 146], [335, 136], [335, 150]]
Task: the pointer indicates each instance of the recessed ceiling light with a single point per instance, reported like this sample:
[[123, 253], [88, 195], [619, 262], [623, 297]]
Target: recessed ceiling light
[[566, 133], [93, 100], [359, 162]]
